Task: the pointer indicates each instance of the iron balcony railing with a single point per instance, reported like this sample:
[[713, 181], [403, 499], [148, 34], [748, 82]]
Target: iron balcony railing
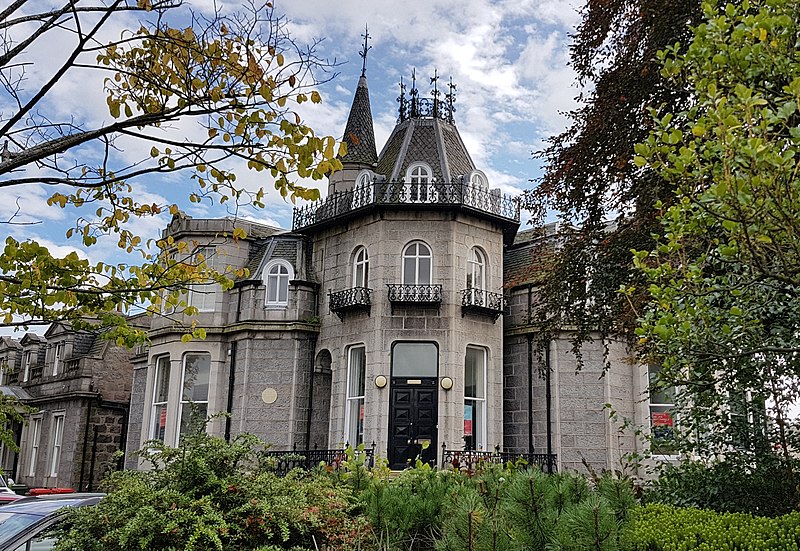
[[430, 294], [357, 298], [281, 462], [482, 302], [466, 195], [467, 460]]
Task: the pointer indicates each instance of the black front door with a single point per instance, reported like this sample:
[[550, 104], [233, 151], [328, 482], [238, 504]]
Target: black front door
[[412, 421]]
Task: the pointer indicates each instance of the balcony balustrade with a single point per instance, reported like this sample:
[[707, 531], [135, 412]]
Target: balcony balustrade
[[479, 301], [348, 300], [449, 194]]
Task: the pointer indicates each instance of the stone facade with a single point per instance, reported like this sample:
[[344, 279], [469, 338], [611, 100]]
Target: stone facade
[[78, 386], [315, 346]]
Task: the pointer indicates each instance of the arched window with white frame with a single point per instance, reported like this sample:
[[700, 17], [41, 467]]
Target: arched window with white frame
[[361, 268], [417, 264], [419, 178], [476, 276], [277, 275]]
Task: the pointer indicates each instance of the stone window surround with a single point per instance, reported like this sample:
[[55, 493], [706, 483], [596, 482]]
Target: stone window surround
[[34, 441], [279, 278]]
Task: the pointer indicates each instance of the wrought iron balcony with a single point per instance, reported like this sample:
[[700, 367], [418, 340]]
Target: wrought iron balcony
[[444, 194], [357, 298], [479, 301], [414, 294]]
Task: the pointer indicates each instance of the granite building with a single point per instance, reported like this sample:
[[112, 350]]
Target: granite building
[[396, 312]]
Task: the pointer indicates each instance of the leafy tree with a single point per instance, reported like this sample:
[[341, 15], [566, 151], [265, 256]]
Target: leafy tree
[[198, 95], [725, 276], [590, 177]]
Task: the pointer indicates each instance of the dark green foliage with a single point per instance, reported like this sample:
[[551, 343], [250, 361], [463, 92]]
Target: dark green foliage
[[662, 528], [408, 512], [209, 494], [736, 485]]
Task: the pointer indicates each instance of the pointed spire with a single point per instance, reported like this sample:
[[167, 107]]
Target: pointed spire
[[359, 134], [364, 51]]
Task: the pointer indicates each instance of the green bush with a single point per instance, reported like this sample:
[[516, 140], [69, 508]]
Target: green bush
[[209, 494], [765, 486], [659, 527]]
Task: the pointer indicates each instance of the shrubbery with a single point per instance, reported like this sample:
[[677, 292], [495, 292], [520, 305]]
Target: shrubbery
[[658, 527], [764, 486]]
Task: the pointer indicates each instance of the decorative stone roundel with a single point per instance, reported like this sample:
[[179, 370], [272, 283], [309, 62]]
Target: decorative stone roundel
[[269, 395]]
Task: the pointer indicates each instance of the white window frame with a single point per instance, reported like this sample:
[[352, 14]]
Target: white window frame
[[184, 401], [476, 276], [415, 258], [160, 362], [355, 402], [56, 439], [361, 267], [203, 295], [479, 429], [478, 180], [58, 353], [278, 281], [34, 439], [26, 365], [419, 179], [652, 373]]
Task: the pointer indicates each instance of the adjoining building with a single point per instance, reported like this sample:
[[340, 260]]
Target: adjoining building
[[78, 387], [394, 314]]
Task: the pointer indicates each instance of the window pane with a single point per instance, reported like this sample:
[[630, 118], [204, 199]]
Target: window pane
[[415, 359], [162, 380], [192, 414], [195, 377], [474, 373], [424, 271], [159, 422], [357, 374], [283, 289]]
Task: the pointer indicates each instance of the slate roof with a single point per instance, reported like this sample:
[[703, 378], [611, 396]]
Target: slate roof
[[359, 135], [527, 261], [433, 141]]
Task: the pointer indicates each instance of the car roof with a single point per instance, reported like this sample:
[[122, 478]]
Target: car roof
[[46, 504]]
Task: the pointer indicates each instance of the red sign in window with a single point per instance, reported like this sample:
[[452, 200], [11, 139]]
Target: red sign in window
[[162, 421], [662, 419]]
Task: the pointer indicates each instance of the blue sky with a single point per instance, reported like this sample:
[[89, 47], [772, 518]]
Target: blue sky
[[509, 60]]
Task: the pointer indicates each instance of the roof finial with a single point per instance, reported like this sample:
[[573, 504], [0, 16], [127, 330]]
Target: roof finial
[[363, 52], [451, 99], [414, 93], [435, 93], [402, 100]]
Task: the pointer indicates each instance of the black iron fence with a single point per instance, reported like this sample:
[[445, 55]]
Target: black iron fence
[[414, 293], [281, 462], [469, 460], [461, 194]]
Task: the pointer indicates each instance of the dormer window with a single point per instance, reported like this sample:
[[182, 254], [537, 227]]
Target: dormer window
[[479, 180], [277, 275], [419, 178], [364, 178]]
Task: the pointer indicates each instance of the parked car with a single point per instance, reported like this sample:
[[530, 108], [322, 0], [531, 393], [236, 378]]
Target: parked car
[[26, 524], [7, 495]]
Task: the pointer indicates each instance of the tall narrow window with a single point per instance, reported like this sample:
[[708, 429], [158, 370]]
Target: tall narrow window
[[34, 435], [4, 371], [361, 268], [56, 437], [417, 260], [662, 423], [202, 295], [476, 276], [475, 399], [278, 273], [194, 399], [356, 379], [27, 358], [158, 422], [58, 356]]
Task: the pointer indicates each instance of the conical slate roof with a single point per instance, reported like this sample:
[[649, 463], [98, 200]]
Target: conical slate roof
[[359, 134]]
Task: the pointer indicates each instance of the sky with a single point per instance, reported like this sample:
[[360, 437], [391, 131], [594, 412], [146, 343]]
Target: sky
[[508, 59]]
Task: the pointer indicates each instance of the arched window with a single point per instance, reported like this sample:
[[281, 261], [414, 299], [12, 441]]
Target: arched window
[[419, 177], [417, 263], [479, 180], [476, 269], [364, 178], [361, 268], [277, 275]]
